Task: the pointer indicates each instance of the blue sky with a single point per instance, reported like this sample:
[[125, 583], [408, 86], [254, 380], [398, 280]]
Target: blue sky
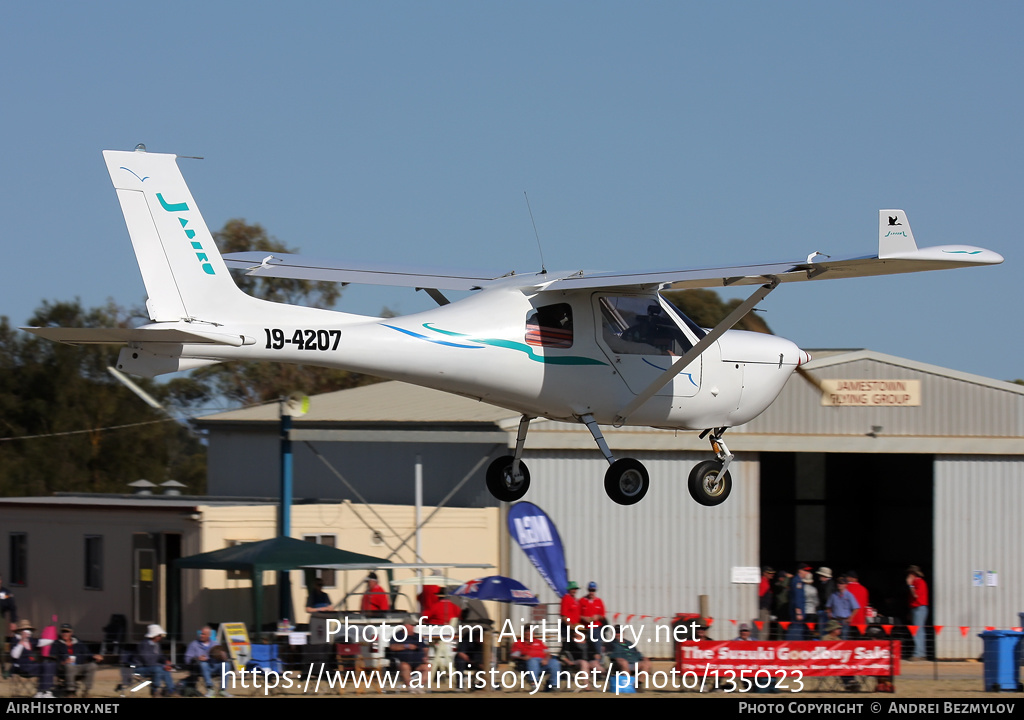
[[650, 134]]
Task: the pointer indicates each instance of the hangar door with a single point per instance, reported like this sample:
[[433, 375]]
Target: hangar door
[[868, 512]]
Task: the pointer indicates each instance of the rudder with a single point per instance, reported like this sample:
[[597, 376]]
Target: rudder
[[183, 271]]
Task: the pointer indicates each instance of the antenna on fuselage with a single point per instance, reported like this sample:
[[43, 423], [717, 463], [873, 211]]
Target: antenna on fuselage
[[543, 269]]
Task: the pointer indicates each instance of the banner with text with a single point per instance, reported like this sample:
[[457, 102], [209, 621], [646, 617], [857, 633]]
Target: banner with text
[[539, 539], [844, 657]]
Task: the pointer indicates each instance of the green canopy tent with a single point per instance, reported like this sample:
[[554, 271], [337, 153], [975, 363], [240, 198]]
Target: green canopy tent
[[281, 553]]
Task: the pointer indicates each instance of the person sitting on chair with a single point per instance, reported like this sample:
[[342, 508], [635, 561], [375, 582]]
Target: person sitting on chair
[[74, 660], [537, 657], [150, 661], [624, 657], [199, 658], [410, 654], [27, 660]]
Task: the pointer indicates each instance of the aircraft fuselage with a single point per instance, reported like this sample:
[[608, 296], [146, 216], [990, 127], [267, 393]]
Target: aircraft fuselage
[[494, 347]]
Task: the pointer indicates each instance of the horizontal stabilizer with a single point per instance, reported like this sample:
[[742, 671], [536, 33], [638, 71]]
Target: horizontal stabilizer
[[123, 336]]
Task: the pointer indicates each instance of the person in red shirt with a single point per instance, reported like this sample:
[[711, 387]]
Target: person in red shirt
[[427, 597], [766, 601], [375, 600], [918, 608], [443, 611], [860, 592], [537, 657], [570, 609], [592, 614]]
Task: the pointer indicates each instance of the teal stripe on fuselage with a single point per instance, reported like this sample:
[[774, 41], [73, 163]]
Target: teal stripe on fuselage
[[494, 342]]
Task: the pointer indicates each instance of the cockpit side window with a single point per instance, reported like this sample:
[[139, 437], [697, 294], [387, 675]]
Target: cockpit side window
[[550, 326], [639, 326]]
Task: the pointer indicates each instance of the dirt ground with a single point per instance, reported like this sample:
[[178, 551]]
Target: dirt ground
[[917, 680]]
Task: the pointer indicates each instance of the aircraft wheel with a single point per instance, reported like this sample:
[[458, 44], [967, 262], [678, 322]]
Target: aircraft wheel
[[500, 482], [627, 481], [707, 485]]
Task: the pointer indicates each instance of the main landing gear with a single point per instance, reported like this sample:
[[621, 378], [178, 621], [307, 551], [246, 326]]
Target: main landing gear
[[627, 481], [508, 478], [507, 482]]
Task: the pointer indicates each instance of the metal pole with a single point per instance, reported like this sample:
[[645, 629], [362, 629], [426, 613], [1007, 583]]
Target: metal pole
[[284, 519], [419, 514]]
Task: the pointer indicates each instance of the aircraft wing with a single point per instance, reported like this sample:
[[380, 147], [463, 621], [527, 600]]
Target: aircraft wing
[[897, 253], [283, 265], [937, 258]]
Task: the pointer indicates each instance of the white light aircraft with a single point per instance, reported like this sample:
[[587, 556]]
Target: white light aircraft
[[592, 348]]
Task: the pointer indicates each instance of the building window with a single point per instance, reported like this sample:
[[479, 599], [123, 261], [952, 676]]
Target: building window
[[238, 574], [93, 562], [19, 559], [327, 576]]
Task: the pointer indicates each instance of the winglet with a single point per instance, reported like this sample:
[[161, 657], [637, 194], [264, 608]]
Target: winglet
[[894, 235]]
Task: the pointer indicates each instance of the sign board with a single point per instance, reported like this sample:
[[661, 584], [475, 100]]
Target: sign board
[[870, 393]]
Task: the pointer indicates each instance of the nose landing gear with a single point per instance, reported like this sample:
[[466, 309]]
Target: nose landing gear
[[710, 482]]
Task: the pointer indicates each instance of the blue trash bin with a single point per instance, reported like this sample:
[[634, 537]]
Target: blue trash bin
[[1002, 660]]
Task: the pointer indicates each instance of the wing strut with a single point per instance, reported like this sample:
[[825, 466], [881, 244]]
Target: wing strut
[[679, 365]]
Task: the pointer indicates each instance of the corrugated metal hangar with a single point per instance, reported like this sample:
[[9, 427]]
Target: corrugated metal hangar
[[866, 461]]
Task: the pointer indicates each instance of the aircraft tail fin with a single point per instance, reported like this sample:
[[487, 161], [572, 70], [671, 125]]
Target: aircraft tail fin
[[183, 271], [894, 234]]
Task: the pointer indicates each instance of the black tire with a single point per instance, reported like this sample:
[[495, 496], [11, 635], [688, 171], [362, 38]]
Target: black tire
[[706, 487], [627, 481], [500, 482]]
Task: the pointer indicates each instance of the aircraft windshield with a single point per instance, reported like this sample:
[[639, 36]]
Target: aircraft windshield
[[694, 327], [634, 325]]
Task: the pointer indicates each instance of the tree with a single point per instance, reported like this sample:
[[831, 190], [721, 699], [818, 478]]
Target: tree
[[64, 396], [239, 236], [707, 309], [249, 383]]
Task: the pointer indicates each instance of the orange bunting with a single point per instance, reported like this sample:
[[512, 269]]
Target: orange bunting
[[938, 629], [784, 625], [887, 628], [758, 624], [963, 630], [913, 630]]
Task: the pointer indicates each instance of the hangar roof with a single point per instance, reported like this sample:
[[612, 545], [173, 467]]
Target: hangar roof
[[388, 401]]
